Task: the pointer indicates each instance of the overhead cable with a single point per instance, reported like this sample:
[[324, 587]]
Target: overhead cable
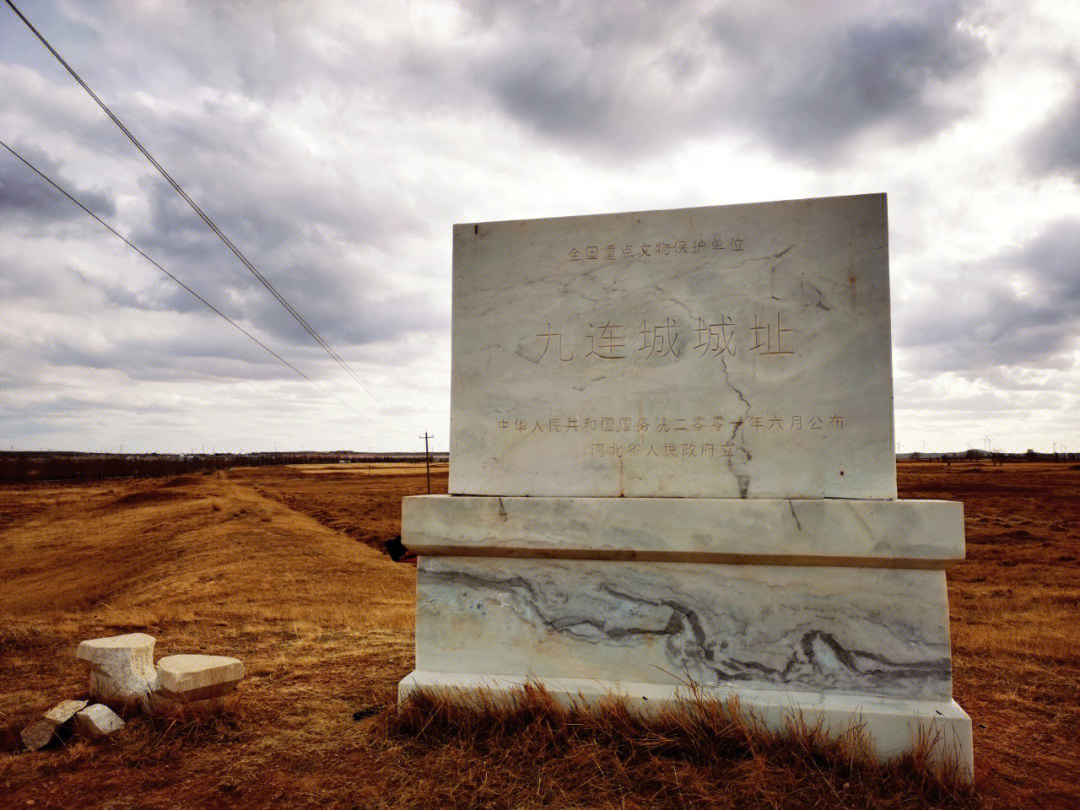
[[202, 300], [213, 227]]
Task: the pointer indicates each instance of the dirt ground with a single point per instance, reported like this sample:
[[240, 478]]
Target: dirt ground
[[1015, 622], [280, 567]]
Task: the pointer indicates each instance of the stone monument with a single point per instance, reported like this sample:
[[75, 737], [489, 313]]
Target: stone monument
[[671, 461]]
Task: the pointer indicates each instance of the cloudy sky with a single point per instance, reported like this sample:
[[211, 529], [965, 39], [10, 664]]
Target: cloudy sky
[[336, 144]]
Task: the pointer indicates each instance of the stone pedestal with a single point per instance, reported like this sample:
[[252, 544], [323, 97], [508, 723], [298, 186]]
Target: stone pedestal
[[671, 464], [834, 609]]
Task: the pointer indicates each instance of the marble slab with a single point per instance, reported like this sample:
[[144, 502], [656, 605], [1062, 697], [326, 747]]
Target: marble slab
[[738, 351], [892, 726], [866, 631], [198, 679], [892, 534]]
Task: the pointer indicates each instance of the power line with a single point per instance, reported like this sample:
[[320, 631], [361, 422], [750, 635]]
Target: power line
[[202, 300], [210, 224]]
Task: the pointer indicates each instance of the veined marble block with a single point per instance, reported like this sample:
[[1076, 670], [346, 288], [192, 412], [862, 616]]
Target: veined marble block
[[889, 534], [724, 352], [859, 631]]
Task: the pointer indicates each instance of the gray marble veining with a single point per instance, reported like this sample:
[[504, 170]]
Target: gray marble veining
[[861, 631]]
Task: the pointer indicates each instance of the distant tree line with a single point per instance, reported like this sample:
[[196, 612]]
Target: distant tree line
[[22, 467], [993, 456]]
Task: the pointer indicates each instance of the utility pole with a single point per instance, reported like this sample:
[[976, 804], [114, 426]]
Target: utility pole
[[427, 457]]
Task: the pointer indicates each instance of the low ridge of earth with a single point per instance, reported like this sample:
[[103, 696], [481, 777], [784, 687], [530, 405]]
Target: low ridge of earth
[[282, 568]]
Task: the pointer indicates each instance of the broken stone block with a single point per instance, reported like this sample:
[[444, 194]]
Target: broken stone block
[[97, 721], [121, 667], [39, 733], [198, 680]]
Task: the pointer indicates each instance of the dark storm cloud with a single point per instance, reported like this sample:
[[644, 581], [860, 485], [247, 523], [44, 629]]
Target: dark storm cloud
[[300, 237], [347, 300], [876, 72], [1055, 146], [1020, 308], [347, 309], [24, 194], [613, 82], [256, 193], [805, 82], [567, 98]]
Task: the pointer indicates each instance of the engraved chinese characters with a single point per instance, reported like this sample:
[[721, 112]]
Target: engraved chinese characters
[[675, 437], [737, 351], [607, 341], [647, 250]]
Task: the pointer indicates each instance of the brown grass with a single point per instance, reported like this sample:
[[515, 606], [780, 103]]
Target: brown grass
[[699, 754], [1015, 624], [265, 564]]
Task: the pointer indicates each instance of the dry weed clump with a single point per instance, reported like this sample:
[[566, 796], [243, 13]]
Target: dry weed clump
[[530, 750], [166, 729]]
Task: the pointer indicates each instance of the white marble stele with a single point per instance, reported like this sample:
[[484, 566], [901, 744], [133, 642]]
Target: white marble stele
[[724, 352], [672, 468]]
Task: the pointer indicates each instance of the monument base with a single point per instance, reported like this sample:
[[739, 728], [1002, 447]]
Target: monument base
[[891, 726], [836, 610]]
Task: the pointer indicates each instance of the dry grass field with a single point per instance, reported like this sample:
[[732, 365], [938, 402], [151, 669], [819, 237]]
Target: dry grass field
[[279, 566]]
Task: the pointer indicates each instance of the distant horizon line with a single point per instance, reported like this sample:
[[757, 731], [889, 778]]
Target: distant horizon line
[[916, 454]]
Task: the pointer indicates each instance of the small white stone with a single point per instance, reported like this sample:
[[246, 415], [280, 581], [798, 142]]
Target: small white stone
[[38, 734], [121, 667], [198, 680], [62, 712], [97, 721]]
